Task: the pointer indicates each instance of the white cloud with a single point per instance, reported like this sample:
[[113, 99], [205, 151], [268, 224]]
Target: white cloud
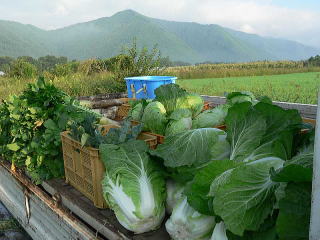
[[262, 17]]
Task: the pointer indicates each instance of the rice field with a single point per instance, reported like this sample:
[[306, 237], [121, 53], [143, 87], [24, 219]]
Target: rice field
[[296, 87]]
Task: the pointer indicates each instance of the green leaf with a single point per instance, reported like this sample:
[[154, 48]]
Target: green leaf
[[50, 124], [197, 191], [154, 118], [187, 148], [294, 215], [297, 169], [245, 129], [245, 196], [13, 147], [84, 139]]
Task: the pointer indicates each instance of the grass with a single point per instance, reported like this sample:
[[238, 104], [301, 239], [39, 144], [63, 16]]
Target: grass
[[75, 85], [296, 87], [261, 68]]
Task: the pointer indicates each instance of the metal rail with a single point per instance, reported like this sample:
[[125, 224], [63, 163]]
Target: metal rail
[[315, 204]]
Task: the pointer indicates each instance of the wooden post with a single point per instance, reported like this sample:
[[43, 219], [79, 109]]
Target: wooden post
[[315, 200]]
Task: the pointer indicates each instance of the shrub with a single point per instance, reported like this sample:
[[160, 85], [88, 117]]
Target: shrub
[[22, 69]]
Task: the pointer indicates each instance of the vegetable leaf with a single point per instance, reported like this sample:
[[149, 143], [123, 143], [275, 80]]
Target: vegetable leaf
[[246, 196], [294, 215], [187, 148]]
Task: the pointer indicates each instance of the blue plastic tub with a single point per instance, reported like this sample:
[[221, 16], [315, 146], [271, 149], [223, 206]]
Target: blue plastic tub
[[144, 86]]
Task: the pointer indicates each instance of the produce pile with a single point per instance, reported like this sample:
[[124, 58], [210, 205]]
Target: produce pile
[[175, 110], [30, 127], [249, 182], [252, 181]]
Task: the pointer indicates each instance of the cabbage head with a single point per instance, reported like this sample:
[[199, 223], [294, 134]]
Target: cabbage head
[[173, 97], [185, 223], [211, 118], [239, 97], [193, 102], [180, 121], [133, 186], [154, 118], [136, 112]]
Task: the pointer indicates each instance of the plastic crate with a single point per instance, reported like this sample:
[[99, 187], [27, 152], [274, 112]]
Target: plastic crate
[[123, 111], [160, 138], [84, 169]]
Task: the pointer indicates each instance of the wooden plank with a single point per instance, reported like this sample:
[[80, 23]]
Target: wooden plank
[[103, 220], [306, 110], [44, 220]]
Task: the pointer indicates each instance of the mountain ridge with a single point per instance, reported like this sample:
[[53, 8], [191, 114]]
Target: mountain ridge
[[184, 41]]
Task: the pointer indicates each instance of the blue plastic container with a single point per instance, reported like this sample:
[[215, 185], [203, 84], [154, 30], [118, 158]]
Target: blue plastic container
[[144, 86]]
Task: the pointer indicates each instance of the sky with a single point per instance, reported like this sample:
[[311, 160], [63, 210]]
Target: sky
[[297, 20]]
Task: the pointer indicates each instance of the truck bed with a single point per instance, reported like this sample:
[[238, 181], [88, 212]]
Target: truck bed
[[56, 210]]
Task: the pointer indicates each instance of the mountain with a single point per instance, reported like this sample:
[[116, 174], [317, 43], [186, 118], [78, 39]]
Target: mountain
[[184, 41]]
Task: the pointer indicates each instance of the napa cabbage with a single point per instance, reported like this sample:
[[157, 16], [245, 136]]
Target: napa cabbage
[[133, 186], [175, 192], [219, 232], [185, 223]]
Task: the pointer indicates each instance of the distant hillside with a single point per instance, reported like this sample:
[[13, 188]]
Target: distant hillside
[[184, 41]]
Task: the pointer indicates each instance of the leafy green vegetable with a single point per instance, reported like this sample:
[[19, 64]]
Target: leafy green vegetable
[[197, 191], [188, 148], [35, 120], [294, 215], [211, 118], [219, 232], [299, 168], [137, 108], [245, 128], [154, 118], [133, 186], [174, 194], [245, 197], [261, 130], [180, 121], [194, 102], [173, 97], [239, 97], [187, 224]]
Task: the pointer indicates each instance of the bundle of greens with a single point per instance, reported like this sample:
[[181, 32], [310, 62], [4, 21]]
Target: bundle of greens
[[31, 126], [90, 133]]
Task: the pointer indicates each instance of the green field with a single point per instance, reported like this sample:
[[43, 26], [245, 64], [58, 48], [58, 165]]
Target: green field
[[296, 87]]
